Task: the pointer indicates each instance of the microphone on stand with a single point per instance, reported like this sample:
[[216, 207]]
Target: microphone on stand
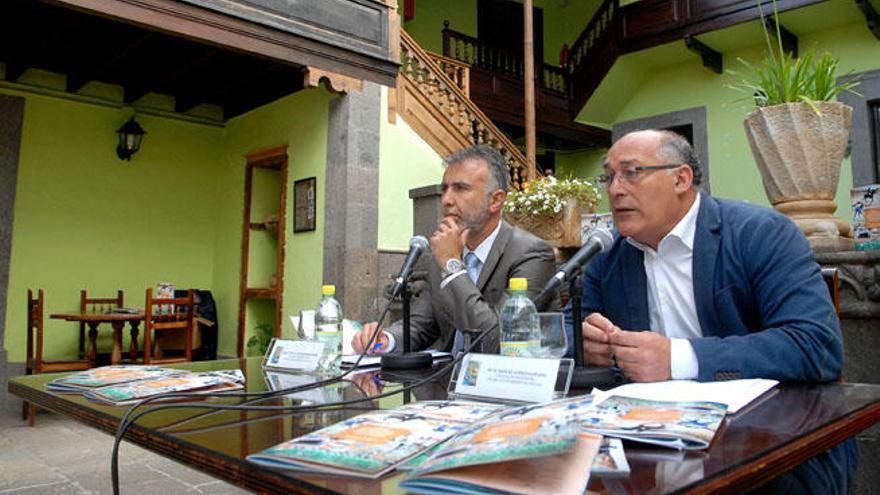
[[407, 360], [598, 241], [417, 245]]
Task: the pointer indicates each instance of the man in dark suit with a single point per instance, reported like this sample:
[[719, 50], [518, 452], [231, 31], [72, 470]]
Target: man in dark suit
[[475, 254], [726, 289]]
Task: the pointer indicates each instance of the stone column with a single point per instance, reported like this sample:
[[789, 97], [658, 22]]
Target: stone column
[[427, 210], [351, 199], [859, 311], [11, 116]]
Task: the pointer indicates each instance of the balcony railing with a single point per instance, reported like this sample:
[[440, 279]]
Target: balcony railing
[[501, 61]]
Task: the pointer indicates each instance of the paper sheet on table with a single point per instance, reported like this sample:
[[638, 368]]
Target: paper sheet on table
[[735, 393]]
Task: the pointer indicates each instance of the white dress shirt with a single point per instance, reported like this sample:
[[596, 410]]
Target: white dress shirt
[[671, 305]]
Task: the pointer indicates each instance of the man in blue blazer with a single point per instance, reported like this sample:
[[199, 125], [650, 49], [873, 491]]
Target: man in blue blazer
[[726, 289]]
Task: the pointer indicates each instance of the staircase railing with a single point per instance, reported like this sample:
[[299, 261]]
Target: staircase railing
[[420, 69], [456, 70], [594, 52], [597, 33]]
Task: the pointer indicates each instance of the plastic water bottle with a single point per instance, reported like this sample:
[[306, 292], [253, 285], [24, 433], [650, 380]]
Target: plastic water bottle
[[520, 328], [328, 329]]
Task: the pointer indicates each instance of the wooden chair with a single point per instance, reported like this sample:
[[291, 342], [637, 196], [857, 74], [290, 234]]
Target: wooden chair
[[95, 305], [832, 280], [168, 316], [35, 363]]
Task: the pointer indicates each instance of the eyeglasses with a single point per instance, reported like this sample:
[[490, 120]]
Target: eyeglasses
[[632, 174]]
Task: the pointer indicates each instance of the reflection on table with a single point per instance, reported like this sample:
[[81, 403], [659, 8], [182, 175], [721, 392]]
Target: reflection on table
[[797, 423]]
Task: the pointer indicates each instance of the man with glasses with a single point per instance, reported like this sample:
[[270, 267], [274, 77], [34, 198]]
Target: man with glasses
[[475, 253], [701, 288]]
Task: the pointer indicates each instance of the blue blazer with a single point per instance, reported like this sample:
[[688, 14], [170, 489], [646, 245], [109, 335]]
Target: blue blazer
[[763, 307]]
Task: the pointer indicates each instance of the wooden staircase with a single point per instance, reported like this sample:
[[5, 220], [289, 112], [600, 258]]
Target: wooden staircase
[[432, 97]]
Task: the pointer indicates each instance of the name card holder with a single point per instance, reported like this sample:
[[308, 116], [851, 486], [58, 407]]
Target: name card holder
[[279, 380], [293, 355], [514, 380]]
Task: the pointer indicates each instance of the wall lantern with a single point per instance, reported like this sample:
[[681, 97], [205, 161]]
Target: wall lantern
[[130, 135]]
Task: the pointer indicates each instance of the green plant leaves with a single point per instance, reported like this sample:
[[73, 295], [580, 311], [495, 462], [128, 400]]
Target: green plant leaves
[[782, 78]]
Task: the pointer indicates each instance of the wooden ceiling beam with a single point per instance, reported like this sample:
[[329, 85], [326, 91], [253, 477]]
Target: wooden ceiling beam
[[170, 76], [134, 93], [712, 59], [789, 39], [77, 78], [186, 100], [14, 70], [870, 16]]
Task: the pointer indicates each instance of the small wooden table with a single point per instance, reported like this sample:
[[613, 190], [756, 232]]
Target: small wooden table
[[117, 321]]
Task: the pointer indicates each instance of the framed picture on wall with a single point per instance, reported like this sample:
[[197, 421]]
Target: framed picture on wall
[[304, 192]]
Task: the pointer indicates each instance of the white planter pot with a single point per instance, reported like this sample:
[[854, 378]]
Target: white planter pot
[[799, 152]]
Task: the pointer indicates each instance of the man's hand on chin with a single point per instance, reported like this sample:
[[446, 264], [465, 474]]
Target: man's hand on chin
[[642, 356], [448, 240]]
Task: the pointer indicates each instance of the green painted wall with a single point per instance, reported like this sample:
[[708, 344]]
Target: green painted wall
[[583, 164], [636, 89], [300, 121], [562, 23], [86, 220], [406, 161]]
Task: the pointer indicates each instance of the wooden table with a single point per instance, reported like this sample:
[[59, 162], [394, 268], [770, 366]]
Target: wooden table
[[791, 426], [117, 321]]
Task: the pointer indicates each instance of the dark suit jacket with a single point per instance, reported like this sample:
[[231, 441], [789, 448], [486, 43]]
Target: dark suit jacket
[[762, 305], [436, 313]]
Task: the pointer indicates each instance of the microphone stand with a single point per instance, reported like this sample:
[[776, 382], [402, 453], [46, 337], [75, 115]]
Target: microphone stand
[[585, 376], [406, 360]]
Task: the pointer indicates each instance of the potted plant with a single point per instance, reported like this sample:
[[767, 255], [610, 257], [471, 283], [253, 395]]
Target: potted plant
[[260, 340], [798, 136], [551, 208]]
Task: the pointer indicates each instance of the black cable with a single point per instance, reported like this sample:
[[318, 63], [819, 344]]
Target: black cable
[[124, 423], [127, 419]]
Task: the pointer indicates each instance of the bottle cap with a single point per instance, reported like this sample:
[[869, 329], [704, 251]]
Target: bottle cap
[[328, 290], [519, 284]]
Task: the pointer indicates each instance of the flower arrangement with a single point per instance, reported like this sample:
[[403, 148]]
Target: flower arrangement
[[551, 208], [547, 196], [782, 78]]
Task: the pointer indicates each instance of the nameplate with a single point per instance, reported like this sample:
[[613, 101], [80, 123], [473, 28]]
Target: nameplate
[[506, 378], [299, 355]]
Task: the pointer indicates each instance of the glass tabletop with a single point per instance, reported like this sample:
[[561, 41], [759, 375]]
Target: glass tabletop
[[784, 426]]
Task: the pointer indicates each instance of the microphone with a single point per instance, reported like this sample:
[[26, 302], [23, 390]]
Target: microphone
[[597, 242], [417, 245]]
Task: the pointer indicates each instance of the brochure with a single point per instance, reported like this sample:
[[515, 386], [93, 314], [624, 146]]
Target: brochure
[[372, 444], [559, 474], [524, 450], [108, 375], [678, 425], [736, 394], [611, 459], [203, 382]]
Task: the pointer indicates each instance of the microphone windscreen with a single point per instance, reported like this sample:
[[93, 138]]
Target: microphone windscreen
[[603, 236], [418, 241]]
